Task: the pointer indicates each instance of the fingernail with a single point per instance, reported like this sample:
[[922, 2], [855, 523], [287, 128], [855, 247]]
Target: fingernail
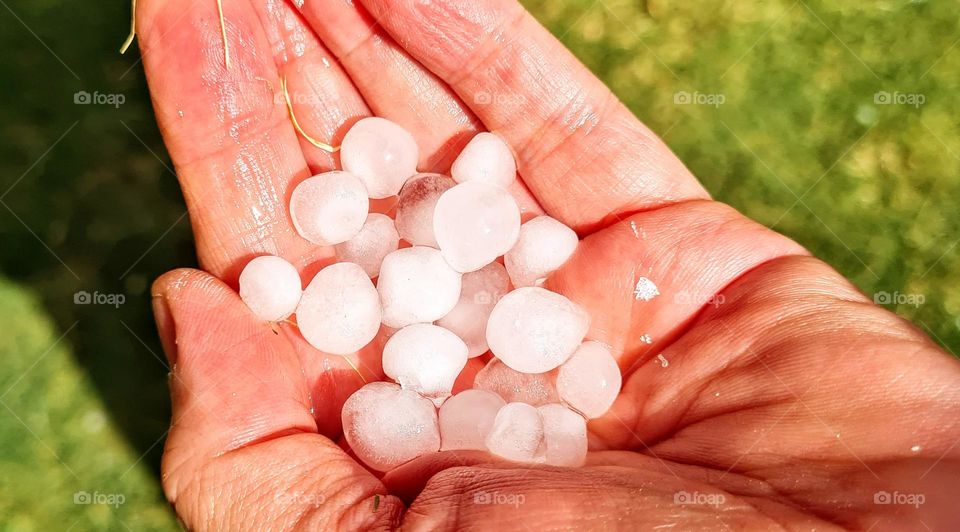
[[165, 327]]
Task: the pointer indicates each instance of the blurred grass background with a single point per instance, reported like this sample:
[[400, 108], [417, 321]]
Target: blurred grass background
[[789, 128]]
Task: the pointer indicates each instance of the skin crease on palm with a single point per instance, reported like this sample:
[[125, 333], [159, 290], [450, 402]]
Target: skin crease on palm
[[781, 389]]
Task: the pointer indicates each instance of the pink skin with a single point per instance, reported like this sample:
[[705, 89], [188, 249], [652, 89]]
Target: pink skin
[[794, 398]]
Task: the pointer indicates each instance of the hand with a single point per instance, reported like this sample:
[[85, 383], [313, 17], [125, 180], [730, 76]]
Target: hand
[[773, 393]]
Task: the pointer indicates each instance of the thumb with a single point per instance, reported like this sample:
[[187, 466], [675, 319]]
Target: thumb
[[243, 450]]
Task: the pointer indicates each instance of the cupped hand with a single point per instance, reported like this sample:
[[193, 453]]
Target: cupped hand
[[761, 389]]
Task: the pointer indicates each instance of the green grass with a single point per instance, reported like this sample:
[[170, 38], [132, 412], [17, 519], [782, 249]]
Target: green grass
[[798, 144]]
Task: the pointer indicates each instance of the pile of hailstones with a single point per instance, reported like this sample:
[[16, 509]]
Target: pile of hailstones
[[445, 298]]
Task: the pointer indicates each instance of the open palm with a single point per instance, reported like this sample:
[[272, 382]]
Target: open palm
[[761, 389]]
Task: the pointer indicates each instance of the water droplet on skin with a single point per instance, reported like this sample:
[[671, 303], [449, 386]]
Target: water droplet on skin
[[646, 339], [915, 448], [663, 361]]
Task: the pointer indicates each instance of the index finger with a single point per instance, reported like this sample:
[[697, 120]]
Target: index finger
[[585, 157]]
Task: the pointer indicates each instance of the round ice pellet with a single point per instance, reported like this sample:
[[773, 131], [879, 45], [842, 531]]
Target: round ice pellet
[[590, 380], [416, 286], [564, 436], [377, 238], [514, 387], [543, 247], [533, 330], [271, 288], [486, 158], [387, 426], [479, 293], [516, 433], [425, 359], [475, 223], [415, 207], [339, 312], [466, 419], [381, 153], [329, 208]]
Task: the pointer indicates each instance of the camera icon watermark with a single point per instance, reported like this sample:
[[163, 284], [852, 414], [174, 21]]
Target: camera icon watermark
[[486, 297], [494, 497], [697, 498], [98, 98], [106, 499], [897, 498], [699, 98], [491, 98], [914, 99], [684, 297], [897, 298], [83, 297], [300, 499]]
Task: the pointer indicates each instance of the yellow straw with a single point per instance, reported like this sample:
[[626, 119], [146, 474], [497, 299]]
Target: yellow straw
[[133, 28], [296, 125]]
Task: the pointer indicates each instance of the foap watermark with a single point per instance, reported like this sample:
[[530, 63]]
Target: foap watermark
[[297, 98], [495, 497], [699, 98], [99, 98], [696, 498], [300, 499], [491, 98], [486, 297], [106, 499], [897, 298], [96, 298], [684, 297], [915, 99], [897, 498]]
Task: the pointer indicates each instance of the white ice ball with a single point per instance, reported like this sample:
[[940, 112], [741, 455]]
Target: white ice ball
[[271, 288], [590, 380], [415, 207], [387, 426], [425, 359], [475, 223], [564, 436], [543, 247], [329, 208], [339, 312], [377, 238], [486, 158], [466, 419], [517, 433], [381, 153], [479, 293], [416, 286], [533, 330], [514, 387]]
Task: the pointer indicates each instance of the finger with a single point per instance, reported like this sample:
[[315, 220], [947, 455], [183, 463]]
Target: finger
[[509, 497], [324, 101], [234, 148], [399, 88], [242, 452], [585, 157], [396, 86]]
